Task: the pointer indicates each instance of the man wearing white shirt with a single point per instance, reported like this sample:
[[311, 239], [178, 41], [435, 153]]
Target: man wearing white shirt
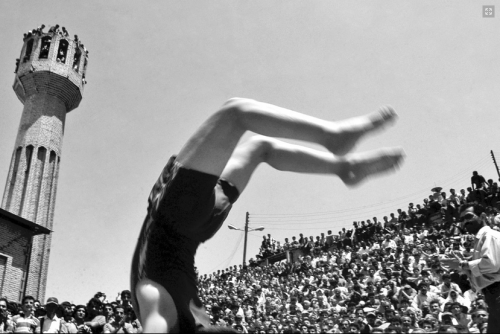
[[447, 286], [388, 242], [424, 296], [51, 323], [372, 277], [470, 296], [483, 269]]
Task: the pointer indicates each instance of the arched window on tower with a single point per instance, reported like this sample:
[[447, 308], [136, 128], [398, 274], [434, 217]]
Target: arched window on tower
[[76, 59], [29, 49], [63, 50], [84, 71], [44, 49]]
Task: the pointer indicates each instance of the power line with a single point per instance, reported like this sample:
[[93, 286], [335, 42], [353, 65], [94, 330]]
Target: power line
[[266, 217], [231, 255], [333, 217]]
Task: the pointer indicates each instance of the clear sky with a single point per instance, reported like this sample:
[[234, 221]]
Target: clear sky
[[158, 69]]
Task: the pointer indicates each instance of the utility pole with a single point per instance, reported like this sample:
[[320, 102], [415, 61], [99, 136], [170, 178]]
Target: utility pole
[[495, 162], [245, 245], [246, 230]]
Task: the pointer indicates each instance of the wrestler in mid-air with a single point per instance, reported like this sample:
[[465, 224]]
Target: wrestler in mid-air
[[197, 188]]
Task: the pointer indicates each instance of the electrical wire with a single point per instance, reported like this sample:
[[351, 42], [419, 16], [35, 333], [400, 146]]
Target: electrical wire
[[339, 217], [231, 255], [481, 162], [328, 219]]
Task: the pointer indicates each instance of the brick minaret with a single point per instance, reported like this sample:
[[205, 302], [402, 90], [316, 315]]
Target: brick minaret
[[49, 81]]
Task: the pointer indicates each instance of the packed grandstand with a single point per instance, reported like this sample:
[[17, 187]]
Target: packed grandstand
[[381, 276]]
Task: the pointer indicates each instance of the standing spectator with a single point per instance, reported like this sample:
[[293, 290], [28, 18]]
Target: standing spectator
[[38, 310], [126, 298], [483, 269], [117, 324], [5, 323], [26, 322], [462, 197], [95, 319], [454, 198], [286, 245], [108, 311], [51, 323], [471, 196], [329, 239], [477, 181], [479, 321], [131, 318], [393, 221], [68, 319]]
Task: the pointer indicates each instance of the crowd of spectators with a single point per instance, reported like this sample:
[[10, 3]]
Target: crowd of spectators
[[97, 316], [378, 277]]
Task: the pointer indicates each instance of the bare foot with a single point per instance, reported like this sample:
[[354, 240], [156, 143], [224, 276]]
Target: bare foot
[[360, 166], [344, 135]]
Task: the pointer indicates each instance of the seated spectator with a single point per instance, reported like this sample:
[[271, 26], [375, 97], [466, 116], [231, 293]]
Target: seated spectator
[[461, 317], [423, 296], [447, 286], [479, 322]]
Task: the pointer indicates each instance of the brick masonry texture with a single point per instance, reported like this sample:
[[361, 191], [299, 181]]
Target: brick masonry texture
[[14, 242], [49, 89]]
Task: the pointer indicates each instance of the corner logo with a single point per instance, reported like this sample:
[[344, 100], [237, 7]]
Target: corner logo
[[489, 11]]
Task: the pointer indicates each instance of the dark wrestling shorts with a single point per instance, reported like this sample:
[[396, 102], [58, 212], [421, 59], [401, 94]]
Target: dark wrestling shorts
[[185, 208]]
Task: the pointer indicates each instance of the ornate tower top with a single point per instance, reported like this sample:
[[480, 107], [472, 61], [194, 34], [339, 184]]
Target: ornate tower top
[[50, 78], [47, 59]]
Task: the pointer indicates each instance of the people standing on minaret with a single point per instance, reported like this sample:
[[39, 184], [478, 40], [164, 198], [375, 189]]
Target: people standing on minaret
[[53, 29], [197, 188]]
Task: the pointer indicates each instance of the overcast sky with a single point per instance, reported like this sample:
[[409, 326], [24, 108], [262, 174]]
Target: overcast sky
[[158, 69]]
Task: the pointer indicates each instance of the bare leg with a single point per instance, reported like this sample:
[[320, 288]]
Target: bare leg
[[210, 148], [352, 169], [344, 135]]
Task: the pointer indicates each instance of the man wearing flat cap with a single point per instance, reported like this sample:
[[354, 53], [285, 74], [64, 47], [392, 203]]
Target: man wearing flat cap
[[51, 323]]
